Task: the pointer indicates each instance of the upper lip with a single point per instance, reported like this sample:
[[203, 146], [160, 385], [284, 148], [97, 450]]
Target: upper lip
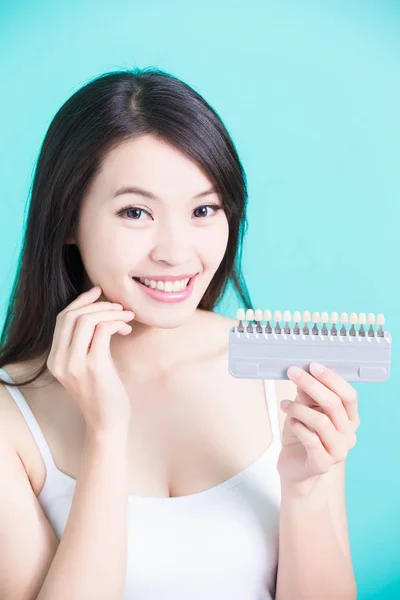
[[166, 277]]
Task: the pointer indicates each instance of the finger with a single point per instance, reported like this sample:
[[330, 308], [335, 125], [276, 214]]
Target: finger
[[64, 329], [86, 297], [342, 388], [85, 329], [318, 459], [335, 412], [100, 345], [330, 402], [332, 440], [67, 322]]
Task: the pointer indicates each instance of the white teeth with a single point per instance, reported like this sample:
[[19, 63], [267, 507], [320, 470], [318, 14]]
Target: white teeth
[[165, 286]]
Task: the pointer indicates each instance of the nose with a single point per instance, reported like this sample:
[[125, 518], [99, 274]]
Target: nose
[[174, 244]]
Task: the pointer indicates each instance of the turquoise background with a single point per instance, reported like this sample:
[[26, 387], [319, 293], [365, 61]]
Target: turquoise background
[[310, 93]]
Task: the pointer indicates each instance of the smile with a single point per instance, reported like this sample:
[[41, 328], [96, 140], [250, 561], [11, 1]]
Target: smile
[[160, 290]]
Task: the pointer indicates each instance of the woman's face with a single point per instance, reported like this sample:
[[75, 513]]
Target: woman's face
[[175, 234]]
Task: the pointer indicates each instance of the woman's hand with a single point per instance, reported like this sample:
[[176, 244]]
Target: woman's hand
[[320, 427], [80, 359]]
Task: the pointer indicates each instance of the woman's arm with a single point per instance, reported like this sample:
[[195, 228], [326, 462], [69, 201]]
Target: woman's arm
[[90, 561], [312, 562]]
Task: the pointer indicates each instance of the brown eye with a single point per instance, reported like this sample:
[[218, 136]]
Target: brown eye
[[216, 207], [132, 209], [137, 209]]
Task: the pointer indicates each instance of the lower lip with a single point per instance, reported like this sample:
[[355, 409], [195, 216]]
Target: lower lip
[[168, 296]]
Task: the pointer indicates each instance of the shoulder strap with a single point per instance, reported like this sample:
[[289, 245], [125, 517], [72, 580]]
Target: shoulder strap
[[270, 393], [30, 420]]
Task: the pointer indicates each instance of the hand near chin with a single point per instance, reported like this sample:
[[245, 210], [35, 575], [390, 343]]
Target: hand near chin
[[81, 360]]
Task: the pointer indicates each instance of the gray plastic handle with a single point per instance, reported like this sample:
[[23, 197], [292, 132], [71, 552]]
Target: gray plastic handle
[[269, 355]]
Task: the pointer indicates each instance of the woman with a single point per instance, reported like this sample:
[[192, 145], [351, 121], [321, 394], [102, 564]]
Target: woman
[[134, 465]]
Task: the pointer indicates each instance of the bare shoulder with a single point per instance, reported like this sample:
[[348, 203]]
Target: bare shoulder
[[12, 422], [216, 327], [8, 416], [22, 573], [9, 412], [25, 369]]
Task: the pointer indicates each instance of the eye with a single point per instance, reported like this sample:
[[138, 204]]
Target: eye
[[129, 208], [137, 209], [215, 207]]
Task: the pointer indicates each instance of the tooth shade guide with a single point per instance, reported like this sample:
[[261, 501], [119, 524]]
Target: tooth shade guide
[[252, 315], [267, 351]]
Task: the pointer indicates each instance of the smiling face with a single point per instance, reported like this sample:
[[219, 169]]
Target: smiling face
[[173, 234]]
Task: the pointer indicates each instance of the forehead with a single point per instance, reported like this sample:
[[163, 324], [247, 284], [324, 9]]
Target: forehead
[[153, 164]]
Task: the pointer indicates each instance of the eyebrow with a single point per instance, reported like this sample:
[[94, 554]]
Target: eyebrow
[[147, 194]]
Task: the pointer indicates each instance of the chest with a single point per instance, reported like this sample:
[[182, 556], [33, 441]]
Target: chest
[[187, 434]]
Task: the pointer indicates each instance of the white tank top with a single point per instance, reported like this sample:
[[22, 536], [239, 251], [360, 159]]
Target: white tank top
[[217, 544]]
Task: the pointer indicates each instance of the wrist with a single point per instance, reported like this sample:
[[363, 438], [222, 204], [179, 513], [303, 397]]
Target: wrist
[[312, 488], [104, 437]]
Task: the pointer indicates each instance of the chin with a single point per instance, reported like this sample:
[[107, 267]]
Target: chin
[[168, 320]]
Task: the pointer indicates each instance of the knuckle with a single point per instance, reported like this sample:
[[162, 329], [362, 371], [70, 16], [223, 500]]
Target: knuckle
[[341, 455], [352, 439], [57, 372], [74, 367], [93, 361], [354, 396], [87, 318], [325, 421], [104, 325], [91, 365], [68, 316], [314, 440]]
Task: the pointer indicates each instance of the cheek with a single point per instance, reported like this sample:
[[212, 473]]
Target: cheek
[[216, 244], [106, 256]]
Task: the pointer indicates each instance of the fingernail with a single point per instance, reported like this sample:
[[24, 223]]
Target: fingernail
[[285, 403], [294, 372], [317, 368]]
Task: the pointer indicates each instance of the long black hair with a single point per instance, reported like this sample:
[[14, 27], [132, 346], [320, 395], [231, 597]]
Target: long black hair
[[110, 109]]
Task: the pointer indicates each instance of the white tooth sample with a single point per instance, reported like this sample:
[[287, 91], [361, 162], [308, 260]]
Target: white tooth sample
[[362, 319], [258, 314], [296, 316], [249, 314], [287, 317], [267, 315], [240, 314]]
